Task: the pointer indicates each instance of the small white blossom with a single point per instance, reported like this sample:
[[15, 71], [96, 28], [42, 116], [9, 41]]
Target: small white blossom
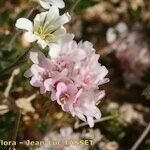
[[122, 28], [46, 28], [46, 4], [113, 33], [25, 104]]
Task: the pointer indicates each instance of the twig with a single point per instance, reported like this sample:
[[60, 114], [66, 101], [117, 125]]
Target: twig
[[17, 33], [77, 125], [16, 62], [141, 138], [74, 6], [10, 82], [17, 126]]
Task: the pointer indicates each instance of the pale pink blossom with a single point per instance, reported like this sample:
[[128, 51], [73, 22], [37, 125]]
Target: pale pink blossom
[[73, 75], [41, 70], [85, 107]]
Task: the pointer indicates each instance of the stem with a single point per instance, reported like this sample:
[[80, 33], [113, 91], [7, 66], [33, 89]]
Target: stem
[[14, 64], [96, 121], [141, 138], [17, 126], [74, 6]]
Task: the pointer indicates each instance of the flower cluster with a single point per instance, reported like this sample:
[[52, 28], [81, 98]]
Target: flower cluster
[[71, 71], [64, 137]]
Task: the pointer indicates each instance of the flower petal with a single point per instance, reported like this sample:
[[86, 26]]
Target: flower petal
[[90, 121], [28, 73], [58, 3], [45, 4], [58, 34], [48, 3], [25, 24], [29, 36], [62, 20], [36, 56], [42, 43], [48, 84], [52, 14], [54, 50]]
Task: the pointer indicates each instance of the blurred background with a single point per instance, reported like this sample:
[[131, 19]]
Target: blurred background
[[120, 32]]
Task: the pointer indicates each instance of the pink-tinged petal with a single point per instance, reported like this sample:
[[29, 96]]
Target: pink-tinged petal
[[47, 64], [79, 93], [25, 24], [53, 95], [88, 110], [103, 72], [61, 88], [80, 114], [36, 83], [88, 45], [42, 89], [99, 95], [48, 84], [28, 73], [72, 89], [35, 69], [64, 72], [36, 56], [90, 121], [98, 114]]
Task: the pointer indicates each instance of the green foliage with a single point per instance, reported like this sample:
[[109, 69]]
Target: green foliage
[[6, 123], [114, 129], [82, 5], [42, 125]]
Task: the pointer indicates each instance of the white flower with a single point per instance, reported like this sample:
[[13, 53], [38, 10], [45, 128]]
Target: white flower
[[122, 28], [46, 4], [111, 35], [25, 104], [46, 28]]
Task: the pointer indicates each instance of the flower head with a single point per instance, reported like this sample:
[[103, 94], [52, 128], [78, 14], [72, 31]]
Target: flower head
[[46, 28], [73, 76]]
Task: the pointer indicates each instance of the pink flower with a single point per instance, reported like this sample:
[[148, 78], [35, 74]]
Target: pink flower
[[85, 107], [91, 74], [41, 69], [72, 75], [66, 95]]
